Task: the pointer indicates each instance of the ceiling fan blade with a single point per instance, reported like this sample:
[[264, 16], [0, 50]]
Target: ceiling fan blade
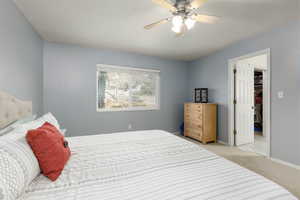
[[208, 19], [197, 3], [165, 4], [150, 26]]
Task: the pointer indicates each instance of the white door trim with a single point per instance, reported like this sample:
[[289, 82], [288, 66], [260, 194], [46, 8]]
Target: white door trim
[[267, 100]]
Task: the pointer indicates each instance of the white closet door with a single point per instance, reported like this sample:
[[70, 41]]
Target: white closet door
[[245, 104]]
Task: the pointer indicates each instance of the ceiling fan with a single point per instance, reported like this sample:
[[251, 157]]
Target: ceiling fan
[[184, 15]]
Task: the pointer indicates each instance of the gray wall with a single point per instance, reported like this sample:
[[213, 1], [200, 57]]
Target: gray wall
[[21, 56], [212, 72], [70, 90], [69, 85]]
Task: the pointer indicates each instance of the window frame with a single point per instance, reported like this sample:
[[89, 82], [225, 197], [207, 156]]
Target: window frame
[[157, 92]]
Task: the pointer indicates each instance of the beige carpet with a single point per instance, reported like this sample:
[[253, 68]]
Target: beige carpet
[[283, 175]]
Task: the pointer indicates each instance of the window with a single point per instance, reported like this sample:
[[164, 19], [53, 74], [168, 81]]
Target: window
[[126, 89]]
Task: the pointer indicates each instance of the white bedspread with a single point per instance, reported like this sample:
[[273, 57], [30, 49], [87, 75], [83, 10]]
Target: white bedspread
[[146, 165]]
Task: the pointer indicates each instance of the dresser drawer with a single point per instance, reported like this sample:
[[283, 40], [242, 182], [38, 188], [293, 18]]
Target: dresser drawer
[[193, 127], [187, 106], [195, 136], [195, 121], [196, 107], [196, 126], [196, 114], [198, 131], [194, 133]]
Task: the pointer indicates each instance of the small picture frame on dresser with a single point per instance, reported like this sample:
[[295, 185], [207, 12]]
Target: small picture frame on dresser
[[201, 95]]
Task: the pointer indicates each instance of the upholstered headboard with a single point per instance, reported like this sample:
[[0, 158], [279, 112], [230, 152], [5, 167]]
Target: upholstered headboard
[[12, 109]]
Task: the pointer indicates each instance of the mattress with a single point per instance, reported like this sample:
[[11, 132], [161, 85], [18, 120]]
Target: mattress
[[150, 165]]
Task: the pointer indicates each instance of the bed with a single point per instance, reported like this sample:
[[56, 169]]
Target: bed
[[149, 165]]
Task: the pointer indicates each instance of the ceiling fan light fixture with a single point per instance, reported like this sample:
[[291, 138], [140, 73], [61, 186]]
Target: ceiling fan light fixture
[[176, 29], [190, 23], [177, 21]]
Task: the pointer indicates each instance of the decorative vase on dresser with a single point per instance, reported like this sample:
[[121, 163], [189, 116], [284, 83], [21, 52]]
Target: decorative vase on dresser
[[200, 121]]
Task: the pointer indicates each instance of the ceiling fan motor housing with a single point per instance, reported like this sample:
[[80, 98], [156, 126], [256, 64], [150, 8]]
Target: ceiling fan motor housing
[[182, 8]]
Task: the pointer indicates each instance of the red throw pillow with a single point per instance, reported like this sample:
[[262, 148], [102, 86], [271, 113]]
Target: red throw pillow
[[50, 149]]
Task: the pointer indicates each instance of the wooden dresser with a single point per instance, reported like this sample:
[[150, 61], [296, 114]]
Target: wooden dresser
[[200, 121]]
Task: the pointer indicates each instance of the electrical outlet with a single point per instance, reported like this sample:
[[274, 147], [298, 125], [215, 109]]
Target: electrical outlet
[[280, 95], [129, 126]]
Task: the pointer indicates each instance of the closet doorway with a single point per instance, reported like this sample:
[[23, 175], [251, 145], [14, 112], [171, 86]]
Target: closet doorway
[[249, 110], [260, 140]]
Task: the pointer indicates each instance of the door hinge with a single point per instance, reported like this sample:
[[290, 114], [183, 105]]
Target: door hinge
[[234, 101], [234, 132]]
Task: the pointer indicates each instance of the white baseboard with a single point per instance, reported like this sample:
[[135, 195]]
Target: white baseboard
[[176, 133], [285, 163], [222, 142]]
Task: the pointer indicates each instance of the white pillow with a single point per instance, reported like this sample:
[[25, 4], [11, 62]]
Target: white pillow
[[40, 121], [51, 119], [33, 124], [63, 131], [6, 130], [18, 165], [26, 119], [16, 124]]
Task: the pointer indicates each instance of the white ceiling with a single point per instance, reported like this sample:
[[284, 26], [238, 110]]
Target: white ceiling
[[118, 24]]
